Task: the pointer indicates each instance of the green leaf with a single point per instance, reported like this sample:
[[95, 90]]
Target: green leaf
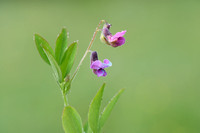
[[107, 110], [67, 86], [55, 66], [68, 59], [94, 110], [40, 44], [71, 120], [87, 128], [61, 45]]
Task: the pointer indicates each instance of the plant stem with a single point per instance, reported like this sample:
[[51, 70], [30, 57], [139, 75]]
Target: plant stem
[[88, 49], [64, 94], [65, 99]]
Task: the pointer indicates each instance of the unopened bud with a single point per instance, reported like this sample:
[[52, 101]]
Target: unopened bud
[[93, 56]]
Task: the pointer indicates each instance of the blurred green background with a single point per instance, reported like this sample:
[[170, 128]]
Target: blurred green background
[[159, 65]]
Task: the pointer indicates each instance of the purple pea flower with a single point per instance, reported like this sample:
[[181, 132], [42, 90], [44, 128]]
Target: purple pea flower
[[97, 66], [113, 40]]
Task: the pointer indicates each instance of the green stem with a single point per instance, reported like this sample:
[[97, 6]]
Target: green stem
[[65, 99], [88, 49], [64, 94]]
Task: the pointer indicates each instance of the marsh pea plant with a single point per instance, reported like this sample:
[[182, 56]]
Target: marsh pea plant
[[62, 59]]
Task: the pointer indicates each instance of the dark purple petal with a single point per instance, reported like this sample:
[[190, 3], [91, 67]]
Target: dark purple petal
[[105, 73], [120, 41], [96, 64], [100, 72]]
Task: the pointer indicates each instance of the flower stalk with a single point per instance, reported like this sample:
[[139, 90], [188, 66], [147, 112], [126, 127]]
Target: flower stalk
[[65, 99], [88, 49]]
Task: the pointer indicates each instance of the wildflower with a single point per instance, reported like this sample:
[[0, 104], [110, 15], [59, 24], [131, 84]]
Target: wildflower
[[113, 40], [97, 66]]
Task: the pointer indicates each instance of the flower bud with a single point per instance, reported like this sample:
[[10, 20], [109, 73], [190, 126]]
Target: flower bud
[[105, 32], [93, 56]]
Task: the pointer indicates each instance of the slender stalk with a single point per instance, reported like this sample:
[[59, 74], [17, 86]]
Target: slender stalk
[[64, 94], [65, 99], [88, 49]]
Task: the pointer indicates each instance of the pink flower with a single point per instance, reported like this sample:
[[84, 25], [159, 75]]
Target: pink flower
[[113, 40], [97, 66]]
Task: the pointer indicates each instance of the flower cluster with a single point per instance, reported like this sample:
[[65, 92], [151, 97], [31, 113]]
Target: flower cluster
[[112, 40]]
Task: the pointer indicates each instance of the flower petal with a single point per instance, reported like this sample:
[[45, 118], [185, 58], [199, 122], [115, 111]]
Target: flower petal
[[105, 73], [96, 64], [117, 35], [100, 72], [106, 63], [120, 41]]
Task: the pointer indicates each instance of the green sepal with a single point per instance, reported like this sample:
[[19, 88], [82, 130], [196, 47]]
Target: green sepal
[[71, 120], [61, 45], [94, 110], [107, 110], [40, 44], [68, 59]]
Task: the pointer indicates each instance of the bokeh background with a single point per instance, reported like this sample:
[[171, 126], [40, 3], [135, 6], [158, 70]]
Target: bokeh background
[[159, 65]]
